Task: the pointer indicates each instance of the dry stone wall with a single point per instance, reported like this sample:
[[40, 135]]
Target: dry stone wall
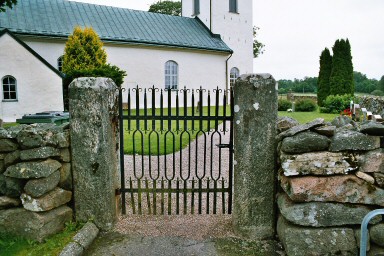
[[375, 104], [330, 176], [35, 180]]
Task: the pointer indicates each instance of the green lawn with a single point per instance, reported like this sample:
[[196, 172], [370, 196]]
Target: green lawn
[[51, 246], [305, 117], [164, 137]]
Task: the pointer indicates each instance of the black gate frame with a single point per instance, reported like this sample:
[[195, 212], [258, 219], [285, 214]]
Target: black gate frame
[[152, 117]]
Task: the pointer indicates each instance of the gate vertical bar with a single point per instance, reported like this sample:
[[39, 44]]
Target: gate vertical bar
[[121, 130]]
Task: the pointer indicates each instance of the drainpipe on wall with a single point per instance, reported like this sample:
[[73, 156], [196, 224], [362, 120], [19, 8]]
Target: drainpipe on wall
[[226, 72], [210, 15]]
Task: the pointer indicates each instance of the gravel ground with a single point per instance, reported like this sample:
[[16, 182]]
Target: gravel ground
[[192, 226]]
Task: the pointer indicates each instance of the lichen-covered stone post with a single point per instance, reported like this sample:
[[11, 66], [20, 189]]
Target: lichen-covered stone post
[[255, 118], [93, 106]]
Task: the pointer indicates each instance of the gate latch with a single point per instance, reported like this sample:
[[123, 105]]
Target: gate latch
[[223, 145]]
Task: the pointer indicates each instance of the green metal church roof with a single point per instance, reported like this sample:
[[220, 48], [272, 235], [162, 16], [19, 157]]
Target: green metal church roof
[[57, 18]]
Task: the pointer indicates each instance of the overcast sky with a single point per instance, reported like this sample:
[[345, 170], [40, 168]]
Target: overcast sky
[[296, 31]]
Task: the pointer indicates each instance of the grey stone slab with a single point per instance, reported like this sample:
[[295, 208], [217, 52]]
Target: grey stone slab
[[66, 177], [345, 140], [255, 121], [285, 123], [86, 235], [65, 155], [328, 131], [372, 128], [32, 225], [315, 163], [316, 241], [372, 161], [49, 201], [35, 169], [13, 187], [72, 249], [38, 187], [39, 153], [93, 143], [377, 234], [11, 158], [323, 214], [300, 128], [305, 142], [8, 145]]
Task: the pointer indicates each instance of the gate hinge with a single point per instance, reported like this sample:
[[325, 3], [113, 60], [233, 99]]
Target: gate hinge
[[223, 145], [117, 192]]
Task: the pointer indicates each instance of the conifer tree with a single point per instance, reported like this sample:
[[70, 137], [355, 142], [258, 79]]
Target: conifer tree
[[324, 75], [341, 80], [83, 51]]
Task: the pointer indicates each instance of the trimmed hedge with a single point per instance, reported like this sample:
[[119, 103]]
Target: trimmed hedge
[[305, 105]]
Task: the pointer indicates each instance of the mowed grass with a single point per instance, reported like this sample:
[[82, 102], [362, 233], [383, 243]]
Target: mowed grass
[[15, 246], [167, 136], [305, 117]]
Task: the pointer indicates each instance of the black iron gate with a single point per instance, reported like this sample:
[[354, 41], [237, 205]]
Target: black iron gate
[[176, 153]]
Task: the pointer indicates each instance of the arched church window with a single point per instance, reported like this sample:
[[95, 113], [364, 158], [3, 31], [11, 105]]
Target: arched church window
[[60, 63], [234, 74], [9, 88], [171, 75], [196, 7], [233, 6]]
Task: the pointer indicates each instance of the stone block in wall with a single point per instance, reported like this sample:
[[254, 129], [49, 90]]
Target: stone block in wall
[[29, 138], [315, 163], [305, 142], [328, 130], [32, 225], [32, 170], [62, 139], [375, 250], [13, 187], [300, 128], [379, 179], [49, 201], [11, 158], [377, 234], [66, 176], [9, 202], [341, 121], [7, 145], [300, 241], [65, 155], [372, 161], [39, 153], [323, 214], [341, 188], [38, 187], [345, 140], [372, 128], [2, 166], [2, 184], [285, 123]]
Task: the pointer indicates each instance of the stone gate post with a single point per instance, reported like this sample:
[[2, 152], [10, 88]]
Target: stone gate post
[[255, 118], [93, 107]]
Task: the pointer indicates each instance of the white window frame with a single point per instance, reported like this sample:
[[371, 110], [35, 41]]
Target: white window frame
[[233, 75], [8, 91], [233, 6], [171, 73]]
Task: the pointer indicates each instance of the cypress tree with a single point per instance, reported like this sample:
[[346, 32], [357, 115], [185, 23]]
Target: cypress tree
[[341, 80], [323, 86]]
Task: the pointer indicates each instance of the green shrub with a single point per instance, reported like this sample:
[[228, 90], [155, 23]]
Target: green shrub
[[377, 93], [284, 104], [305, 105], [336, 103]]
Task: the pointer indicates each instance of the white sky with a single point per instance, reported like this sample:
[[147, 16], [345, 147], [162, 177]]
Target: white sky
[[296, 31]]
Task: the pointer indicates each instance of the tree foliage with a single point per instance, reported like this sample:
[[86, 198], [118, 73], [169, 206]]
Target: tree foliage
[[83, 50], [364, 84], [341, 80], [324, 75], [306, 85], [381, 84], [166, 7], [7, 3], [258, 47]]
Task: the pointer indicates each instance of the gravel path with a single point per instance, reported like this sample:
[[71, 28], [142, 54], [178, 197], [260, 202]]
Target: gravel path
[[193, 226]]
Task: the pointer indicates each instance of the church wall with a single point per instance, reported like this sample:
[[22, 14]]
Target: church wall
[[38, 87]]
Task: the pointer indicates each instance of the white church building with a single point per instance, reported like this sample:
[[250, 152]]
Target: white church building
[[209, 46]]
